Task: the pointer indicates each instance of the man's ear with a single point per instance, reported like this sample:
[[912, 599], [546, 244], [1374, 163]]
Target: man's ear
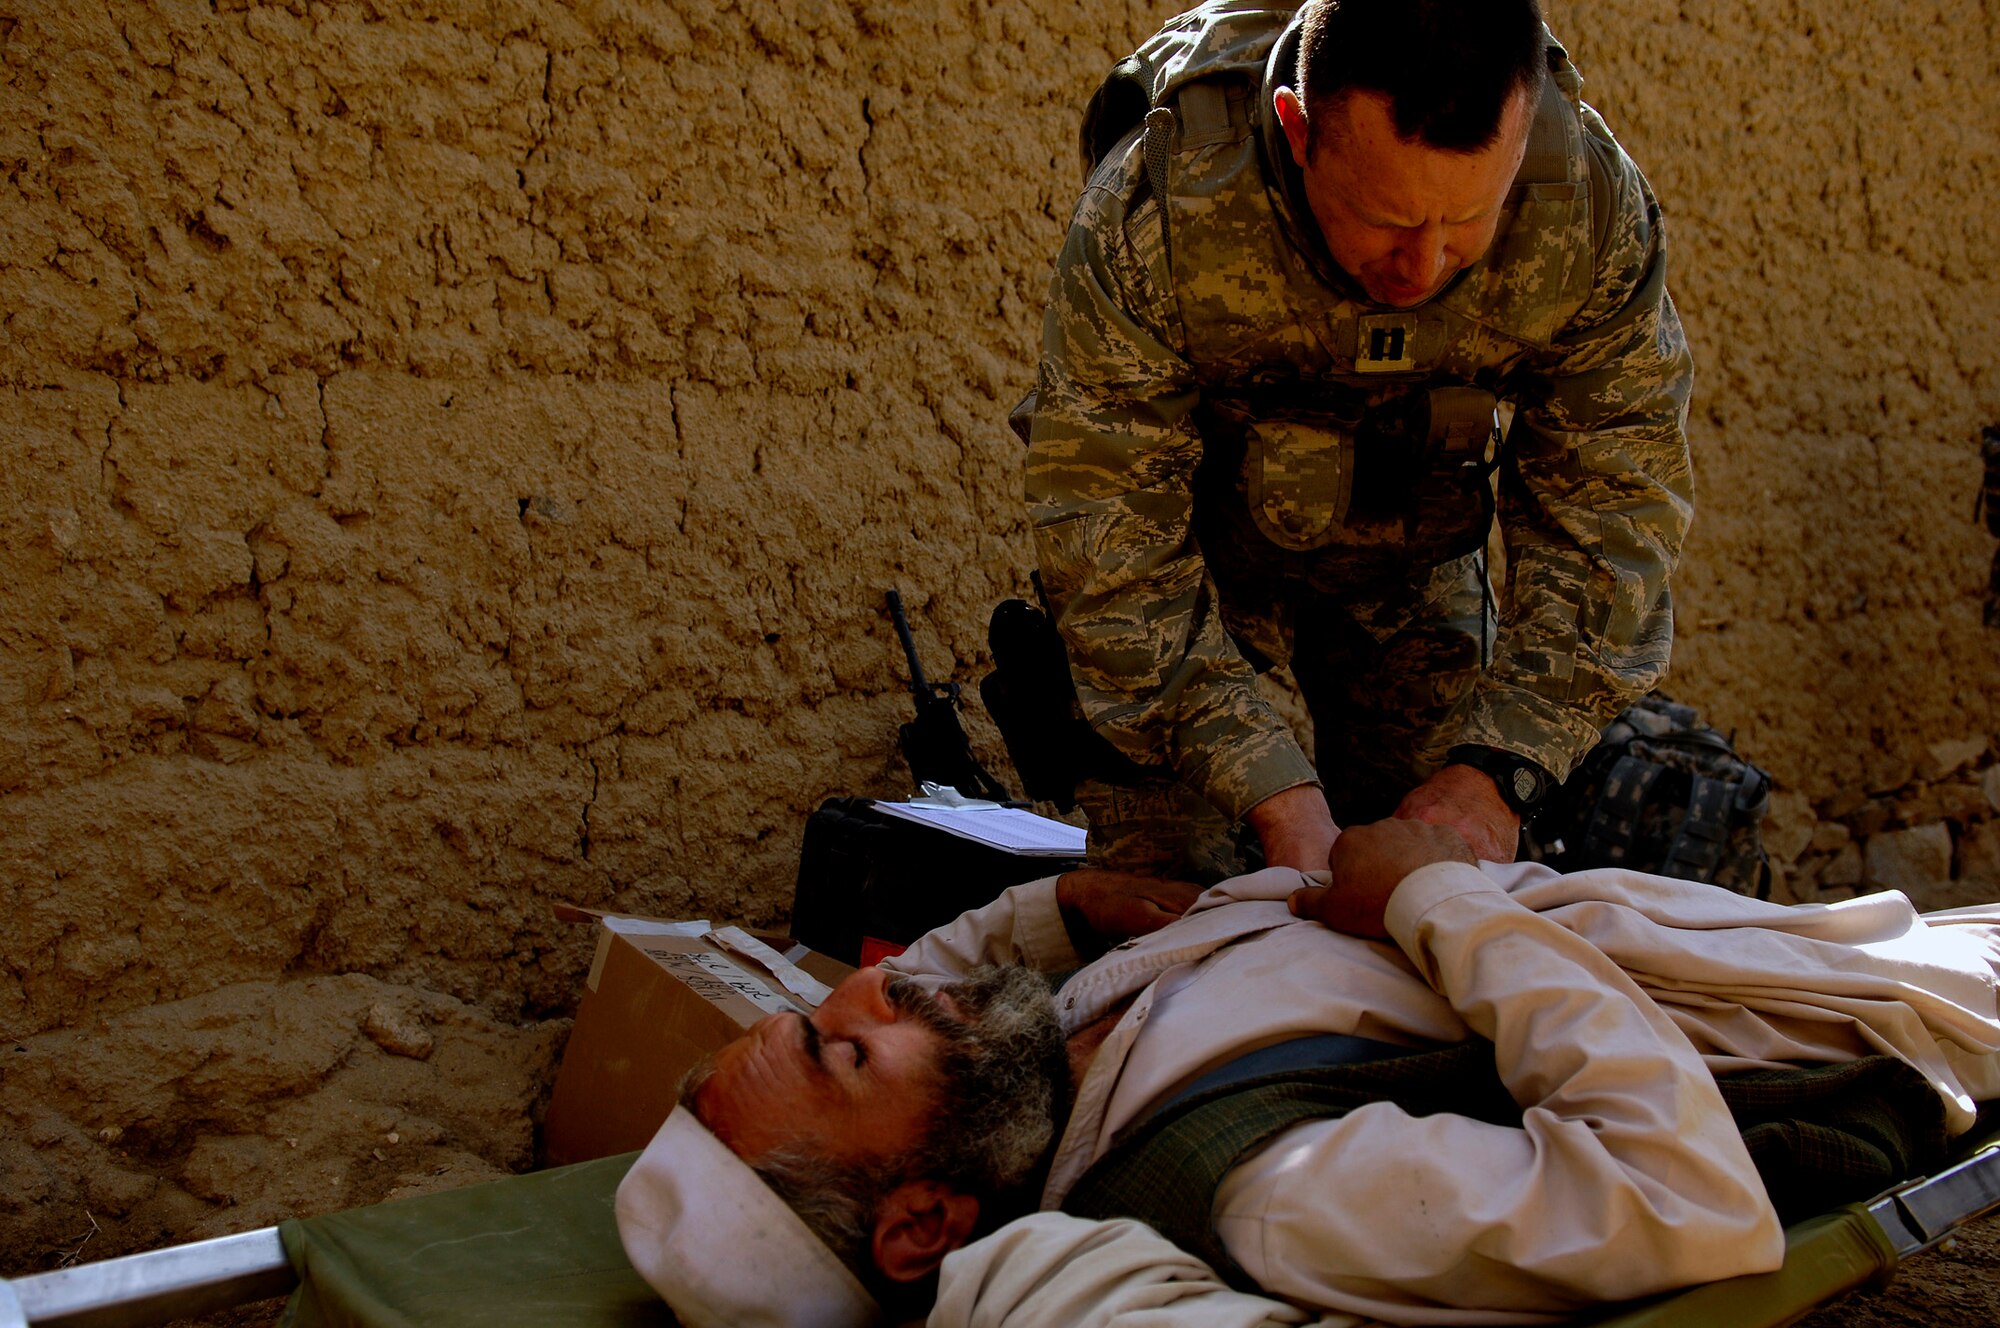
[[1292, 119], [919, 1223]]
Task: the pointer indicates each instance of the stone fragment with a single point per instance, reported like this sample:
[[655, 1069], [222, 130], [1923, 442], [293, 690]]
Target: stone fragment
[[1788, 886], [226, 1169], [1918, 806], [62, 675], [1830, 837], [1803, 878], [1943, 759], [1959, 800], [1914, 861], [1845, 869], [1871, 818], [1989, 784], [158, 707], [1979, 859], [226, 751], [65, 529], [540, 508], [398, 1031], [1789, 825], [1885, 773]]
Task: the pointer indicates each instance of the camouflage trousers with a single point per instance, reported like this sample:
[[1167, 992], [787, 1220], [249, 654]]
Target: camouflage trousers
[[1384, 712]]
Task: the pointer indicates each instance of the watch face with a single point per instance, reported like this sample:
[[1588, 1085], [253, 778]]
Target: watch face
[[1524, 784]]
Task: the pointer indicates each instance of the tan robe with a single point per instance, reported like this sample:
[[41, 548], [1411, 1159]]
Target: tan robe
[[1612, 999]]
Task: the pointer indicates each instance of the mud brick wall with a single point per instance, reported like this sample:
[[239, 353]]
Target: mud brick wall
[[454, 451], [1830, 175]]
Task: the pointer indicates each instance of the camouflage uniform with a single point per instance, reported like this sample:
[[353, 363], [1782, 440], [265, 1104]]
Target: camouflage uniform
[[1236, 461]]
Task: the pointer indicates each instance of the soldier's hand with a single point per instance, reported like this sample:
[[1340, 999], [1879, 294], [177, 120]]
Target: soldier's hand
[[1110, 906], [1368, 863], [1469, 802]]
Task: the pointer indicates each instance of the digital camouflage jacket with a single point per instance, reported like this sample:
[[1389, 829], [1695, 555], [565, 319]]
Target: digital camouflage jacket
[[1226, 434]]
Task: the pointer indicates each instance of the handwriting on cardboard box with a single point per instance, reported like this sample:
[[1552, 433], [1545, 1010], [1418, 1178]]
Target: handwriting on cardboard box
[[713, 976]]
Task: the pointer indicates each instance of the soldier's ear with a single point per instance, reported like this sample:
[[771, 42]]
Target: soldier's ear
[[919, 1223], [1292, 119]]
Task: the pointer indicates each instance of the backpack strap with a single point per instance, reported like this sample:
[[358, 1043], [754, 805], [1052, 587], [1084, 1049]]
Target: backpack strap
[[1117, 108], [1159, 158], [1555, 140]]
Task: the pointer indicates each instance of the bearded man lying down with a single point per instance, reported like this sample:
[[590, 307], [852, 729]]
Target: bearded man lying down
[[1440, 1091]]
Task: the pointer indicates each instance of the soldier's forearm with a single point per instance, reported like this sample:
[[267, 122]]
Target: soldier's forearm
[[1546, 701], [1296, 828]]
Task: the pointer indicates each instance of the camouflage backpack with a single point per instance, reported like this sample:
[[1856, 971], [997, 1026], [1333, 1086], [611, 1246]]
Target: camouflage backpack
[[1664, 793]]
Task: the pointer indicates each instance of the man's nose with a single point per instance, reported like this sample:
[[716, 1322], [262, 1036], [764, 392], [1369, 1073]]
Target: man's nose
[[862, 1000], [1422, 254]]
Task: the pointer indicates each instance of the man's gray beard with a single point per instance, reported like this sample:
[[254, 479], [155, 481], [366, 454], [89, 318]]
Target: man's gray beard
[[1004, 1077], [1006, 1070]]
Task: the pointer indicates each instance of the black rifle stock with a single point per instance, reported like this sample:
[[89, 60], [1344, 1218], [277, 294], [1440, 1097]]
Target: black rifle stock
[[934, 743]]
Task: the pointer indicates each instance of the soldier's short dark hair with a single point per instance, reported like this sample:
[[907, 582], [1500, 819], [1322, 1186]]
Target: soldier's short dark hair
[[1448, 67]]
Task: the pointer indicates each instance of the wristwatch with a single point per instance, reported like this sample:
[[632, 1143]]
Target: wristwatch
[[1522, 784]]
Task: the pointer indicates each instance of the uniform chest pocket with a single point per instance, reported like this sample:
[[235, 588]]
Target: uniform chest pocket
[[1299, 474]]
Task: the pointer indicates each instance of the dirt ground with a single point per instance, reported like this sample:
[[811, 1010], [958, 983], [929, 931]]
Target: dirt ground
[[243, 1106], [1954, 1287]]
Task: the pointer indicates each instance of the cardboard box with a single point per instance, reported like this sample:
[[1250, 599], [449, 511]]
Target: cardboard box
[[654, 1005]]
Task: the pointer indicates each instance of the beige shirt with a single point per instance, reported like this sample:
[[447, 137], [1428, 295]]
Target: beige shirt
[[1611, 998]]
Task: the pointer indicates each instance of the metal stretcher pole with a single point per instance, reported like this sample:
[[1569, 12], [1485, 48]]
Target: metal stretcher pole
[[1837, 1252], [153, 1288], [1919, 1215]]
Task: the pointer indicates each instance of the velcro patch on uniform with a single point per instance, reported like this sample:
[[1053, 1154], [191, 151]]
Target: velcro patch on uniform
[[1387, 343]]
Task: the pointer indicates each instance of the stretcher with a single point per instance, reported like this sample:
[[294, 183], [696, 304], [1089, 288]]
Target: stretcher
[[543, 1249]]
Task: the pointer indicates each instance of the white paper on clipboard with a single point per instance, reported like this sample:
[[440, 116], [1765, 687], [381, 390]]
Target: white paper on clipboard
[[1006, 828]]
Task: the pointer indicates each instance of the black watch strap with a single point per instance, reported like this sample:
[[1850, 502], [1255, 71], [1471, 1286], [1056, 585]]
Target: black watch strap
[[1522, 783]]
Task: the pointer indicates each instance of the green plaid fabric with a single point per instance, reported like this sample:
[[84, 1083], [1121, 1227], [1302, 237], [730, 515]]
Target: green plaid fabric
[[1820, 1135], [1825, 1135]]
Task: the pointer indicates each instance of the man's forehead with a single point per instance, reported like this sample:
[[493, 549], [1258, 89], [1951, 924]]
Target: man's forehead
[[1372, 164]]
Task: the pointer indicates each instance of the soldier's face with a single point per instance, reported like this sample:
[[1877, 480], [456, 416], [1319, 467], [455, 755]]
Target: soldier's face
[[1399, 217]]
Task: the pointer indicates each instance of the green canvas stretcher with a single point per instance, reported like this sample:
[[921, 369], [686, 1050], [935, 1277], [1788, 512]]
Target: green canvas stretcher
[[543, 1249], [537, 1250]]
